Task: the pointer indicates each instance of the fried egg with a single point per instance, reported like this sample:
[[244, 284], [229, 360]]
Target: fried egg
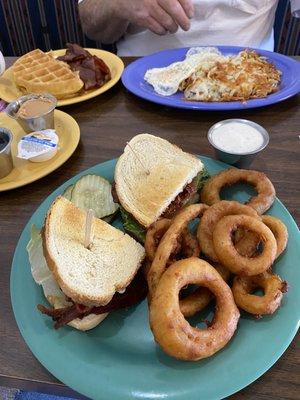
[[167, 80]]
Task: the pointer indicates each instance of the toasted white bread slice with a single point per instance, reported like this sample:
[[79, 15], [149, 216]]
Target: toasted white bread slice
[[147, 196], [89, 276], [88, 322], [82, 324]]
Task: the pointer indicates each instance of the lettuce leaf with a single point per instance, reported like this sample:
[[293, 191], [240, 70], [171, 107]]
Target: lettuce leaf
[[132, 226], [40, 271], [201, 178]]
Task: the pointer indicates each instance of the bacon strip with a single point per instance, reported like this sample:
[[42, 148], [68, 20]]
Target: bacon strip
[[92, 70], [134, 294], [180, 200]]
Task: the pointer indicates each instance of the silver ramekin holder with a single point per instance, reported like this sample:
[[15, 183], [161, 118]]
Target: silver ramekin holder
[[6, 163], [43, 121], [239, 160]]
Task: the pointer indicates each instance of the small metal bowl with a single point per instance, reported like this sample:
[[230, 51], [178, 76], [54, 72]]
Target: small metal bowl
[[43, 121], [6, 163], [239, 160]]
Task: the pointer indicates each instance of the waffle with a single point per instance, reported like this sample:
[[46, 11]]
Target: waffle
[[39, 72]]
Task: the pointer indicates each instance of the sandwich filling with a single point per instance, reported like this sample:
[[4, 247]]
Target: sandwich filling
[[135, 293], [180, 200], [189, 195]]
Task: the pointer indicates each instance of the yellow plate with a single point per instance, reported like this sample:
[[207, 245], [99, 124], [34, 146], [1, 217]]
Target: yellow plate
[[10, 92], [25, 171]]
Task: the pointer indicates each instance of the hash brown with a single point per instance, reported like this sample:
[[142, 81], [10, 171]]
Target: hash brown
[[242, 77]]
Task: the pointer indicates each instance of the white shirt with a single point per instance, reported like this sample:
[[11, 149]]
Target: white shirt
[[216, 22]]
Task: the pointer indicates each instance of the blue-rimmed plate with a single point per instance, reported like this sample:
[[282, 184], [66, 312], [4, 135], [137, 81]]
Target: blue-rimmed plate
[[119, 359], [133, 80]]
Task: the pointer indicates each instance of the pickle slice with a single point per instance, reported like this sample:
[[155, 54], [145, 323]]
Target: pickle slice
[[68, 192], [93, 191]]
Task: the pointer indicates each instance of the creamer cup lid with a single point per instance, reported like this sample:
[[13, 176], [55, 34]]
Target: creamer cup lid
[[37, 143]]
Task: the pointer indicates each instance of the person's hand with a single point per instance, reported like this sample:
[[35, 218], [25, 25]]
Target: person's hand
[[160, 16]]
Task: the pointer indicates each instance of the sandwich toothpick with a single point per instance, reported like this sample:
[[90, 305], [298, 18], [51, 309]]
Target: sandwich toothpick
[[88, 228], [138, 158]]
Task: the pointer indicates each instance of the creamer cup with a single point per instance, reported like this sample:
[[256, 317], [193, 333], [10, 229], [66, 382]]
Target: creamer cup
[[38, 146]]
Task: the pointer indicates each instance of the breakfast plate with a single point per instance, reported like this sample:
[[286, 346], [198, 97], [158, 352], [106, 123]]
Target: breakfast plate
[[133, 80], [119, 358], [10, 92], [24, 171]]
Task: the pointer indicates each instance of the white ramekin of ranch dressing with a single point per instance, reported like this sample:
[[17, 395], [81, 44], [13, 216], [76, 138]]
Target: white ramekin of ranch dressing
[[237, 141]]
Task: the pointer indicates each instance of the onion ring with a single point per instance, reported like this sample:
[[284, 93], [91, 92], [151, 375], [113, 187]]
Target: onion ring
[[273, 288], [228, 254], [248, 244], [210, 193], [170, 329], [210, 218], [169, 242], [154, 235], [279, 230], [201, 297], [188, 244]]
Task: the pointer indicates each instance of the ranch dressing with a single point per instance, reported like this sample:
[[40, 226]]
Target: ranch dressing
[[237, 138]]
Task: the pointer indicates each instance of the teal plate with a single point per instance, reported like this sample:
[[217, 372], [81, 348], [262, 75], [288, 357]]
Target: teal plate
[[119, 359]]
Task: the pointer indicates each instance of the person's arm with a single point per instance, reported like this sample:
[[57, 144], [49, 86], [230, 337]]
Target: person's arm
[[100, 21], [295, 8], [108, 20]]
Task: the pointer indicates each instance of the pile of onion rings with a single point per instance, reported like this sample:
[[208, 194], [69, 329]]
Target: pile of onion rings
[[166, 241], [246, 243], [236, 239]]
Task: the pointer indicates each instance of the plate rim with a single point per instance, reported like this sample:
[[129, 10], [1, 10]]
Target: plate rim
[[89, 95], [209, 106], [75, 385], [6, 186]]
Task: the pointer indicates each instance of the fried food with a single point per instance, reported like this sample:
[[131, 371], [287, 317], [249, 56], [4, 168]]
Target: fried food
[[265, 190], [170, 329], [248, 242], [279, 230], [92, 70], [168, 80], [201, 297], [229, 255], [169, 243], [244, 76], [39, 72], [273, 288], [210, 218], [154, 235], [187, 245], [241, 240]]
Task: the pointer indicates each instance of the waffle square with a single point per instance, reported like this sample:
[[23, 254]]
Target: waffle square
[[39, 72]]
